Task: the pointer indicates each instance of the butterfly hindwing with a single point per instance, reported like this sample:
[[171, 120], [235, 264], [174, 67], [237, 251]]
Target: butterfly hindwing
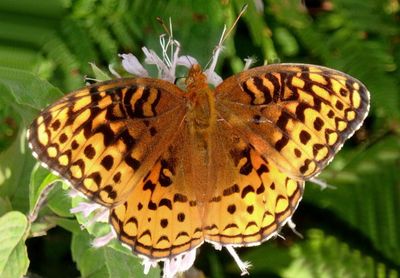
[[251, 199], [162, 217]]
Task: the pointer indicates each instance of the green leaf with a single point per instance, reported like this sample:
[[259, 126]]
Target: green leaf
[[16, 163], [326, 256], [59, 201], [18, 262], [40, 179], [99, 74], [70, 225], [114, 263], [5, 205], [40, 228], [13, 255], [27, 90], [23, 94]]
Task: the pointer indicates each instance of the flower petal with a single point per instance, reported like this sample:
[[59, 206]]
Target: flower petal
[[186, 61], [153, 59], [85, 208], [179, 263], [104, 240], [213, 78], [132, 65]]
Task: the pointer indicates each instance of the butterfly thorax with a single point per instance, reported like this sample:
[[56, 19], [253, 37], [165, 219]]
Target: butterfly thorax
[[201, 110]]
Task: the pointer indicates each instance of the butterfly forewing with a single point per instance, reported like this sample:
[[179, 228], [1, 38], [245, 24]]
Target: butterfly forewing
[[298, 116], [104, 138]]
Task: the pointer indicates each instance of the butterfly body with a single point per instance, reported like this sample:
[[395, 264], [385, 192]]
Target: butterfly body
[[201, 102], [180, 167]]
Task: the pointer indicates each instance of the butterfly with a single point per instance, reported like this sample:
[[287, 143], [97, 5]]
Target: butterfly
[[177, 167]]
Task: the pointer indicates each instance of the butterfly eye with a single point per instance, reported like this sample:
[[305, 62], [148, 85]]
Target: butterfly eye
[[180, 82]]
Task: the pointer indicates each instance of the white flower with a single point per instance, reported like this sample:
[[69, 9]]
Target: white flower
[[168, 61]]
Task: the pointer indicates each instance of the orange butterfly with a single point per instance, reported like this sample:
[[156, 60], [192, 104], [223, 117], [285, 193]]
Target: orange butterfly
[[177, 167]]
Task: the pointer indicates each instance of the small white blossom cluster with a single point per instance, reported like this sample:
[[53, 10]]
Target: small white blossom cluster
[[169, 60]]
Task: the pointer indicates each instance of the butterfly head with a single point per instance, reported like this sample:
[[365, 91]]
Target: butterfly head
[[196, 78]]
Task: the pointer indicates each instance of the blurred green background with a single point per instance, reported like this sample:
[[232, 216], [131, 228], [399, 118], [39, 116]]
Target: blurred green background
[[45, 50]]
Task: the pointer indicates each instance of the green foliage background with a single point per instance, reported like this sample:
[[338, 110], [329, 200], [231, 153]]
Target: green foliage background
[[350, 231]]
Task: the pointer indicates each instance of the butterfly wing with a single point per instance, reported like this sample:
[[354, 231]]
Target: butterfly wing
[[296, 115], [103, 139], [276, 127], [162, 217], [252, 199]]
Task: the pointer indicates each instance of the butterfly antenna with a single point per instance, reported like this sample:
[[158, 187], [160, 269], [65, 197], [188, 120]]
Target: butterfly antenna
[[168, 47], [242, 11], [189, 61], [217, 50], [164, 26], [173, 42]]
